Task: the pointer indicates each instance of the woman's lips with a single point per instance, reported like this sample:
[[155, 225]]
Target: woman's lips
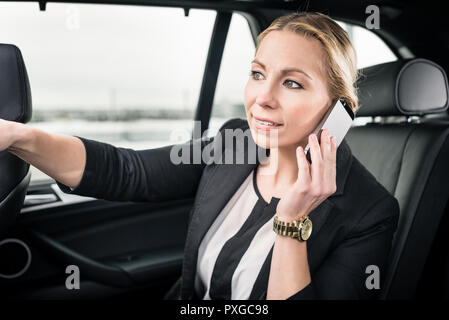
[[261, 126]]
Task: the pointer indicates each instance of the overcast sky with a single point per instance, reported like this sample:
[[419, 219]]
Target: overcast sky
[[83, 56], [98, 55]]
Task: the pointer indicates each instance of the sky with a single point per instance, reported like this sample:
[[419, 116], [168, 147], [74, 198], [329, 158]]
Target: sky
[[102, 55]]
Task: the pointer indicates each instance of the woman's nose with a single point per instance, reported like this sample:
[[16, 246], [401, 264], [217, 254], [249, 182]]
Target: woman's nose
[[266, 95]]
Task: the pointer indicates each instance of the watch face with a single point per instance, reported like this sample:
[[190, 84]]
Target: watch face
[[306, 229]]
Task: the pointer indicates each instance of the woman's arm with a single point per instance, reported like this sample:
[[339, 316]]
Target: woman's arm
[[101, 170], [289, 271], [343, 274], [61, 157]]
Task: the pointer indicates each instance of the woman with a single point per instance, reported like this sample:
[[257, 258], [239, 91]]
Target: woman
[[231, 250]]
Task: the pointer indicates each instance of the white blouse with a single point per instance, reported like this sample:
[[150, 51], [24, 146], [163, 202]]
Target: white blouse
[[235, 273]]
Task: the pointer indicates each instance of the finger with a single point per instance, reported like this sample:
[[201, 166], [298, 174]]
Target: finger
[[325, 145], [330, 169], [303, 167], [315, 149], [333, 143], [315, 154], [330, 149]]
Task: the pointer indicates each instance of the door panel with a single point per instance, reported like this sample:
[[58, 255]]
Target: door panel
[[119, 247]]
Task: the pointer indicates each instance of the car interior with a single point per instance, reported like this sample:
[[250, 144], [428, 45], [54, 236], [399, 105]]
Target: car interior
[[133, 249]]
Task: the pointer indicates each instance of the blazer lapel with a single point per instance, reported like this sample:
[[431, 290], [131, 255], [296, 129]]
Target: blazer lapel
[[223, 181]]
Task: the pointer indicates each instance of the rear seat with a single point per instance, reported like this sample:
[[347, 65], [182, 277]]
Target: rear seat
[[408, 156]]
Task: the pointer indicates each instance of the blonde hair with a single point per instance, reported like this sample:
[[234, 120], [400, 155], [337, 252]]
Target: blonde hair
[[340, 57]]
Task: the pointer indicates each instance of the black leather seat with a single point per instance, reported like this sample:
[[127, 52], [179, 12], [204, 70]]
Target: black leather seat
[[408, 156], [15, 105]]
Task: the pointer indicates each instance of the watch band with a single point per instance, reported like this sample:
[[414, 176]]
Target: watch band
[[290, 229]]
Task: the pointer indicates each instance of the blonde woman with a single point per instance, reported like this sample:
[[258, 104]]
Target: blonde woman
[[304, 62]]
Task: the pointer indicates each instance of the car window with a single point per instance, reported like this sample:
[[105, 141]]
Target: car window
[[234, 69], [371, 49], [126, 75]]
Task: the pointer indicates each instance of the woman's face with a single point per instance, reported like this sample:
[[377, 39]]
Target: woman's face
[[294, 99]]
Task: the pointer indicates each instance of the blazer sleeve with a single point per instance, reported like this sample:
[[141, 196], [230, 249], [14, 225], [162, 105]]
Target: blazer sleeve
[[343, 275], [123, 174]]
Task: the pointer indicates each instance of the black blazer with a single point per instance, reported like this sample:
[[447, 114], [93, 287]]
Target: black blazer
[[352, 229]]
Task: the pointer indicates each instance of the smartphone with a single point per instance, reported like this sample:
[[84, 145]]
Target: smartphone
[[338, 119]]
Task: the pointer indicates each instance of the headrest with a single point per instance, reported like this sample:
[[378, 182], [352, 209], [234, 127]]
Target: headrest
[[403, 87], [15, 93]]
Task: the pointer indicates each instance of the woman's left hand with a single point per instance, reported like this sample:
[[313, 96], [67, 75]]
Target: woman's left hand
[[315, 182]]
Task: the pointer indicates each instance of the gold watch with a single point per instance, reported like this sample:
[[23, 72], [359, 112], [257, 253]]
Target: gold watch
[[299, 229]]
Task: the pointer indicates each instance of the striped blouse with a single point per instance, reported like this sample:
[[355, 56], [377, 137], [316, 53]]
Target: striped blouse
[[233, 250]]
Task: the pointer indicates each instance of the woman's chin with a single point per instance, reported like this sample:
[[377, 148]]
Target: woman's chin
[[266, 141]]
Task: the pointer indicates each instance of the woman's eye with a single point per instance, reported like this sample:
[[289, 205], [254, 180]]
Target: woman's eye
[[298, 86], [252, 73]]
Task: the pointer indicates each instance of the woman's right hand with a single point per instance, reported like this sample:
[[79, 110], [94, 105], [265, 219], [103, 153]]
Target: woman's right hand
[[61, 157], [7, 130]]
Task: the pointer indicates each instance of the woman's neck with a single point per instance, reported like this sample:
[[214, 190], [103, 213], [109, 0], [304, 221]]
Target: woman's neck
[[281, 167]]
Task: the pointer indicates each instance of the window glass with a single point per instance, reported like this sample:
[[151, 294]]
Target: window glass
[[126, 75], [371, 49], [234, 73]]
